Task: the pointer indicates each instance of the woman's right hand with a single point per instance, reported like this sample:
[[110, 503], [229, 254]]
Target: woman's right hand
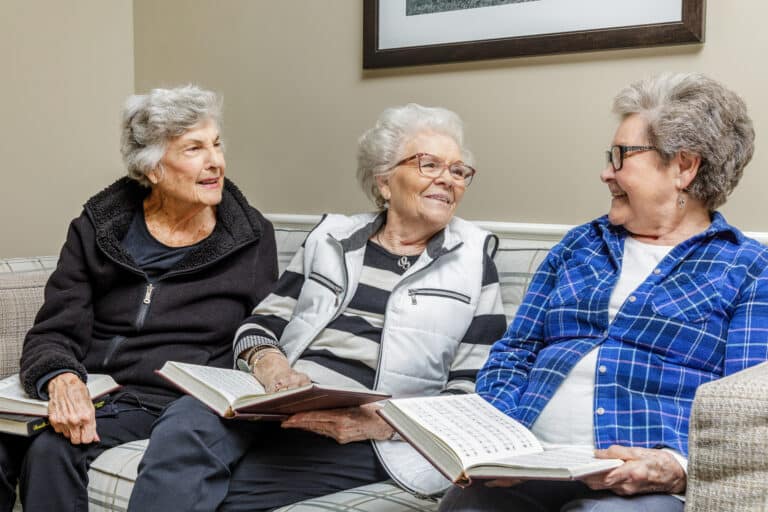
[[70, 409], [275, 373]]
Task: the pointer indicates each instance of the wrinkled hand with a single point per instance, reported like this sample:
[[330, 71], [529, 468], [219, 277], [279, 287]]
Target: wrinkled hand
[[70, 409], [343, 425], [644, 471], [275, 374]]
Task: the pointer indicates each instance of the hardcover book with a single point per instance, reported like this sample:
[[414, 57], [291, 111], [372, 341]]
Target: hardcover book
[[467, 438], [237, 394]]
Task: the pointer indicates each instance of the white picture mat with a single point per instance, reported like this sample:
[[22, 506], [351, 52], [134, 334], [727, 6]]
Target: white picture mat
[[396, 30]]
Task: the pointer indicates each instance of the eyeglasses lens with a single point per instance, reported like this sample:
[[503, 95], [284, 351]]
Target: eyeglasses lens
[[616, 157], [432, 167]]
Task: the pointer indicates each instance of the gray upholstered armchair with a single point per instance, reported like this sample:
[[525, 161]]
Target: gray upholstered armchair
[[728, 464]]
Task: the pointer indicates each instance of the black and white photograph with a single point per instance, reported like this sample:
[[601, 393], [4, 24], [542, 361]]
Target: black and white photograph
[[412, 32], [416, 7]]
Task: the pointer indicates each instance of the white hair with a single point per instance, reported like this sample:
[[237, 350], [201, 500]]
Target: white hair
[[381, 147], [151, 120]]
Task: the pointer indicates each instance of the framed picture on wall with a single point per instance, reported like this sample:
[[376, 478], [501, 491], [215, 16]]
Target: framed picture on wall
[[411, 32]]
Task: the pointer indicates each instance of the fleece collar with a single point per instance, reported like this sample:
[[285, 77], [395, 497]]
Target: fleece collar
[[111, 212]]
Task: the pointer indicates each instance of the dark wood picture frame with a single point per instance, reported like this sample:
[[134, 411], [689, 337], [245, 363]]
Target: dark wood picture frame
[[689, 30]]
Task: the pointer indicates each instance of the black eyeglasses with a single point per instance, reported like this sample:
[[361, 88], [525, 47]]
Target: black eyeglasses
[[616, 154], [431, 166]]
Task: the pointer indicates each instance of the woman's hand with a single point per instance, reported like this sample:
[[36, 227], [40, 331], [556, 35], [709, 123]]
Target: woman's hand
[[70, 409], [344, 425], [275, 373], [644, 471]]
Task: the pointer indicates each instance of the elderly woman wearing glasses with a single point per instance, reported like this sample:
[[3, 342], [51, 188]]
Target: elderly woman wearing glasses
[[631, 312], [405, 301]]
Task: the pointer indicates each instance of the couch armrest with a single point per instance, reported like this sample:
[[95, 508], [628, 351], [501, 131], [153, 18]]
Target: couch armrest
[[21, 295], [728, 444]]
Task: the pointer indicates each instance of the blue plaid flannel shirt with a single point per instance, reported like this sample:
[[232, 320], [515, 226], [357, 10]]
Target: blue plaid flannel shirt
[[700, 315]]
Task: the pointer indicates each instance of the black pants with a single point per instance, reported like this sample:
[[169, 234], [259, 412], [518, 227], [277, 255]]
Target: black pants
[[198, 462], [52, 472]]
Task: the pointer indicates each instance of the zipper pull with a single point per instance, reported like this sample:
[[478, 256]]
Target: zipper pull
[[148, 293], [338, 294], [412, 293]]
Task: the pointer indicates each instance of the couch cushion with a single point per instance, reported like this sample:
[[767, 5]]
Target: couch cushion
[[21, 295], [379, 497], [516, 262], [112, 475]]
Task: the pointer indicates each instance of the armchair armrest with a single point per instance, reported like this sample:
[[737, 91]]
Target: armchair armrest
[[728, 444]]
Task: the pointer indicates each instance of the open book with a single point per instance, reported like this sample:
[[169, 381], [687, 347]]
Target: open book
[[13, 398], [237, 394], [465, 437]]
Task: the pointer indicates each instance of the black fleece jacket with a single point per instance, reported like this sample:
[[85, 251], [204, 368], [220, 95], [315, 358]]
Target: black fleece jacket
[[101, 314]]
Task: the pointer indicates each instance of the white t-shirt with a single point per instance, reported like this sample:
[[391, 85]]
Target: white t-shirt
[[568, 417]]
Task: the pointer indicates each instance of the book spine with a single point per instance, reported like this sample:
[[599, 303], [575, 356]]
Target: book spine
[[39, 425]]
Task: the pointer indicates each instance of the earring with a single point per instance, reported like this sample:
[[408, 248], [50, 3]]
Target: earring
[[681, 201]]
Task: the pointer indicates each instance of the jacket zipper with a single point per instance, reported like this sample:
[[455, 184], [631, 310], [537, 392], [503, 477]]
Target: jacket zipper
[[392, 293], [327, 283], [144, 306], [436, 292]]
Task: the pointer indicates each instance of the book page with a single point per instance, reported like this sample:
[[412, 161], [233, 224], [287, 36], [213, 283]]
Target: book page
[[562, 462], [474, 429], [567, 458], [232, 384], [10, 388]]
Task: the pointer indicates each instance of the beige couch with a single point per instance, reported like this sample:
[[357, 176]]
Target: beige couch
[[728, 469]]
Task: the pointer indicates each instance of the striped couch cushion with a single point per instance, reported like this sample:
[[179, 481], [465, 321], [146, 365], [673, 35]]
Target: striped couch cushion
[[112, 475], [380, 497]]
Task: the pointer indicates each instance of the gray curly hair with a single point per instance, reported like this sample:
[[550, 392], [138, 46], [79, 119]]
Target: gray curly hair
[[692, 112], [151, 120], [381, 147]]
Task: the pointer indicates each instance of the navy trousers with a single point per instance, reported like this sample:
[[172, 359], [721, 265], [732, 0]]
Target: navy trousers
[[52, 473], [549, 496], [197, 461]]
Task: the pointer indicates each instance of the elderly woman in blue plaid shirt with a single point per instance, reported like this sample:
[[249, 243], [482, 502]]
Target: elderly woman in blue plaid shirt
[[631, 312]]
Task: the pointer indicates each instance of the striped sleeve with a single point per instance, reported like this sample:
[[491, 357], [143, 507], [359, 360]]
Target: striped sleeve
[[268, 319], [488, 324]]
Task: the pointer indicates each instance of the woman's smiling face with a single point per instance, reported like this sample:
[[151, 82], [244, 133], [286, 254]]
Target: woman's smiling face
[[414, 198], [192, 167], [644, 191]]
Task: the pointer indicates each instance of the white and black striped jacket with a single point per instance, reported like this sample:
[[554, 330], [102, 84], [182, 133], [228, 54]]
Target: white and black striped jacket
[[440, 320]]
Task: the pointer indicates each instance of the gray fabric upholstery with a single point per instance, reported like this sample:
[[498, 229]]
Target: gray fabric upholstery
[[21, 294], [728, 443]]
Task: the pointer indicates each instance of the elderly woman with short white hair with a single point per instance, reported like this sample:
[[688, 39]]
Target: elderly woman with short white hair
[[162, 264], [405, 300], [631, 312]]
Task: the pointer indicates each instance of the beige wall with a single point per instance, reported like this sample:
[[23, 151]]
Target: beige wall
[[66, 67], [296, 99]]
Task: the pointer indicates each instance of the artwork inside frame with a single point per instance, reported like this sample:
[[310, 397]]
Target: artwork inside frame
[[412, 32]]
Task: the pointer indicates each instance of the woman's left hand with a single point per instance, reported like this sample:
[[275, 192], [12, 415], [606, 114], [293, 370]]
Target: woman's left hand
[[644, 471], [344, 425]]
